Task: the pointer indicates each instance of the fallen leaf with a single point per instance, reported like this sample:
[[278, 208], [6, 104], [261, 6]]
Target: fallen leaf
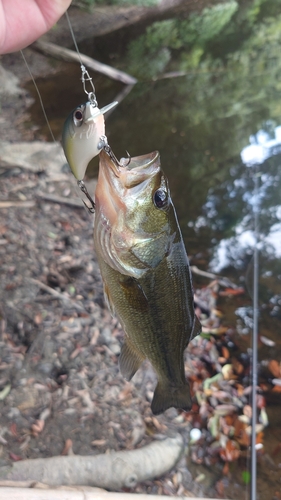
[[227, 371], [14, 457], [37, 427], [276, 381], [38, 319], [274, 368], [230, 452], [4, 393], [67, 450], [267, 341], [13, 429], [225, 352], [247, 410], [231, 291]]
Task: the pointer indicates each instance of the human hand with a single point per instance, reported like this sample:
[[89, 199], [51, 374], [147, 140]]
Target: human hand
[[23, 21]]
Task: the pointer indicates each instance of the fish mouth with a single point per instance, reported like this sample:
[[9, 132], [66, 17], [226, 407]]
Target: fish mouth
[[133, 171]]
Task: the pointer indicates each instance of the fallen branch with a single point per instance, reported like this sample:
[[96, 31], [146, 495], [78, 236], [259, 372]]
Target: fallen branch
[[69, 55], [119, 98], [39, 494], [226, 282], [61, 199], [56, 294], [114, 471], [21, 204], [50, 494]]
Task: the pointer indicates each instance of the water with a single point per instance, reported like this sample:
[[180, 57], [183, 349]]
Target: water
[[211, 126]]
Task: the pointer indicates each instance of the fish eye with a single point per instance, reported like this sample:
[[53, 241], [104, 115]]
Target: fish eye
[[160, 198], [78, 117]]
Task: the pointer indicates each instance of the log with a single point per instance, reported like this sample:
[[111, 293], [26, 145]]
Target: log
[[69, 55], [39, 494], [112, 471]]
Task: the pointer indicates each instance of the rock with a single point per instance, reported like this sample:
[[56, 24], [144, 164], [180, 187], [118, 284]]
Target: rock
[[35, 156], [25, 398], [9, 83], [105, 336]]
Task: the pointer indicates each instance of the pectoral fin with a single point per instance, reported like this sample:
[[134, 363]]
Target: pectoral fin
[[129, 360], [108, 300], [134, 294]]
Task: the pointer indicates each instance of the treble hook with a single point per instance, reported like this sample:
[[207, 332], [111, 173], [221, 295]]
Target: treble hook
[[84, 190], [129, 159], [103, 144]]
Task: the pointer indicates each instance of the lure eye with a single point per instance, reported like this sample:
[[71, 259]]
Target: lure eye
[[78, 117], [160, 198]]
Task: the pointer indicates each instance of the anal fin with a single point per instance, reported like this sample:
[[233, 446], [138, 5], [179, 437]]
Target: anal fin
[[129, 360]]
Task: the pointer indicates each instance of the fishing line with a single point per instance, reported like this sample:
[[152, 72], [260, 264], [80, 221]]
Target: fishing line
[[73, 37], [39, 96], [85, 74]]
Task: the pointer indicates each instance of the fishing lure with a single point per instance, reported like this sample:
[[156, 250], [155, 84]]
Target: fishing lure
[[83, 135]]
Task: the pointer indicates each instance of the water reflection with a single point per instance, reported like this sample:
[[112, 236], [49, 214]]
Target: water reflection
[[263, 146]]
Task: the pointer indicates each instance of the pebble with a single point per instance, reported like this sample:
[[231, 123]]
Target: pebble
[[45, 368], [106, 336], [13, 413], [195, 435]]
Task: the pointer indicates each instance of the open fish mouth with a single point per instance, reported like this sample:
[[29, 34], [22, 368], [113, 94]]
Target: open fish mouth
[[134, 171]]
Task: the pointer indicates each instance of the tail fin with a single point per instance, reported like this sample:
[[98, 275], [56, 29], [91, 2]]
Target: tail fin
[[166, 396]]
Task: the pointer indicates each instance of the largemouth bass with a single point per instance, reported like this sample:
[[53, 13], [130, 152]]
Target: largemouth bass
[[146, 274]]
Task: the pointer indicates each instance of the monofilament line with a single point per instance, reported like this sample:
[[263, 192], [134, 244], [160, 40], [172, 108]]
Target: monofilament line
[[92, 93], [255, 337], [39, 95], [73, 37]]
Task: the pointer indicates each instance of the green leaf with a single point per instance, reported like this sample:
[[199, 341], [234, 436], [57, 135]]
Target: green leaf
[[246, 476]]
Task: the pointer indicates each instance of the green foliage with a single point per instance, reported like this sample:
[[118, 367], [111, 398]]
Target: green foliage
[[153, 49], [174, 34], [201, 28]]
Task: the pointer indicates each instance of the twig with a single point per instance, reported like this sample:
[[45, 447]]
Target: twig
[[60, 199], [21, 187], [120, 96], [196, 270], [226, 282], [21, 204], [70, 55], [56, 294]]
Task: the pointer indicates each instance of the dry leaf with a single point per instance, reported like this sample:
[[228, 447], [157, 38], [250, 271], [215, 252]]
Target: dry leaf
[[274, 367]]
